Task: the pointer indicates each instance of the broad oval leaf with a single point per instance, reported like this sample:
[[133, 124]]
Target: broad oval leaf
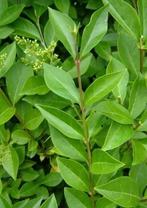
[[126, 16], [25, 27], [101, 87], [10, 14], [6, 110], [121, 89], [63, 5], [104, 163], [50, 202], [29, 116], [117, 135], [139, 152], [138, 97], [10, 52], [10, 162], [62, 121], [5, 31], [68, 147], [123, 191], [129, 53], [114, 111], [74, 174], [77, 199], [20, 137], [65, 30], [16, 79], [35, 85], [94, 31], [61, 83]]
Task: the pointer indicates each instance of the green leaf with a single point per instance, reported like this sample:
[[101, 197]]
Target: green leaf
[[20, 137], [11, 14], [3, 6], [6, 110], [25, 27], [51, 180], [114, 111], [29, 174], [50, 202], [10, 162], [104, 203], [76, 198], [16, 79], [10, 51], [65, 30], [28, 189], [94, 31], [61, 83], [30, 117], [62, 5], [4, 134], [125, 15], [35, 85], [68, 147], [123, 191], [139, 152], [143, 121], [117, 135], [49, 33], [101, 87], [138, 97], [142, 7], [129, 53], [4, 203], [5, 31], [104, 163], [74, 174], [62, 121], [121, 89]]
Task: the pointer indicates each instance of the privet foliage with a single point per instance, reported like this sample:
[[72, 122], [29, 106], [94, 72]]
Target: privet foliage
[[73, 103]]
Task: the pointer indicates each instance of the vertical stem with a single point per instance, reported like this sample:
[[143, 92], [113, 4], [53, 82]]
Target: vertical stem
[[86, 133], [40, 33], [141, 54]]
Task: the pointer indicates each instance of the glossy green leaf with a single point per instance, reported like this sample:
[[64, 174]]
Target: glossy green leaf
[[50, 203], [49, 33], [68, 147], [51, 180], [63, 5], [61, 83], [125, 15], [5, 31], [10, 162], [123, 191], [29, 174], [6, 110], [25, 27], [104, 163], [138, 97], [35, 85], [65, 30], [16, 79], [121, 89], [28, 189], [139, 152], [30, 117], [10, 52], [62, 121], [3, 6], [11, 14], [117, 135], [129, 53], [114, 111], [143, 121], [105, 203], [142, 6], [76, 198], [4, 134], [94, 31], [20, 137], [101, 87], [4, 203], [74, 174]]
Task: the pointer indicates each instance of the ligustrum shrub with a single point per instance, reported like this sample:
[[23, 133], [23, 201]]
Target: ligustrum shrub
[[73, 104]]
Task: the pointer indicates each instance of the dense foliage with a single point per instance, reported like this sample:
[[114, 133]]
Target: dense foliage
[[73, 103]]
